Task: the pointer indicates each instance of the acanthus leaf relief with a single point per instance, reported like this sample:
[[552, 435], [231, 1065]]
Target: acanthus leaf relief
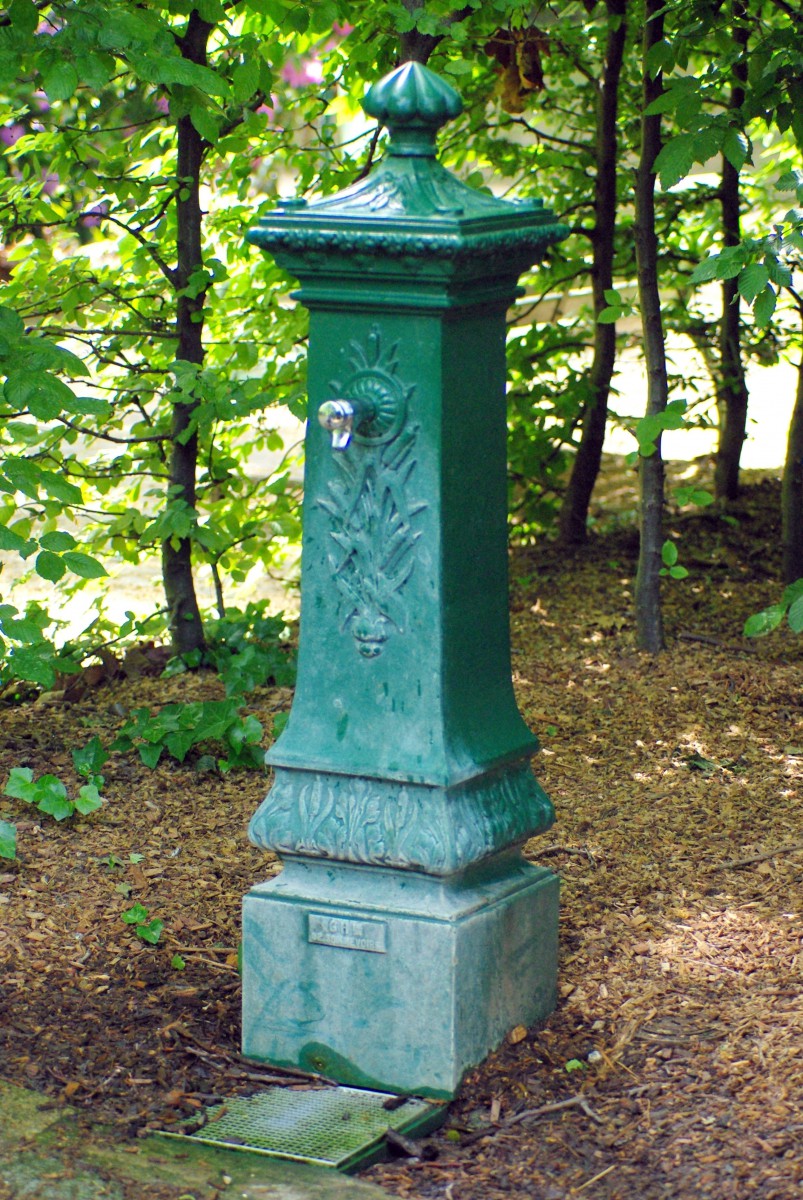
[[369, 503]]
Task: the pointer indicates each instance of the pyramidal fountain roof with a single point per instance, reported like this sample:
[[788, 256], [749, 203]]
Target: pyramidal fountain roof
[[409, 205]]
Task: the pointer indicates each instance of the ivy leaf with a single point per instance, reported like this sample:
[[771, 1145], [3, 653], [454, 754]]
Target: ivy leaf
[[20, 785], [135, 915], [151, 932], [88, 799], [796, 616], [8, 840], [760, 624]]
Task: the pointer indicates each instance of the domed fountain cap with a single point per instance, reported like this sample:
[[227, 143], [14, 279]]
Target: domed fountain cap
[[413, 102]]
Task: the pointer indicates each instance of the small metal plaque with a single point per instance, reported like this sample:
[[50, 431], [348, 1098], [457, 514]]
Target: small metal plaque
[[347, 933]]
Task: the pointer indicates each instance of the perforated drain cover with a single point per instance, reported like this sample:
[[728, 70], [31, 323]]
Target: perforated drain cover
[[333, 1127]]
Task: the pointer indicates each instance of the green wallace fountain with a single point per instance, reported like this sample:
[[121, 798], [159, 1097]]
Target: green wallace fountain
[[405, 935]]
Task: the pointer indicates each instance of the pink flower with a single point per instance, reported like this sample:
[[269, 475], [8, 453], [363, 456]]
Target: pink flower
[[341, 28], [93, 218], [271, 109], [302, 73], [11, 134], [41, 101], [50, 182], [162, 105]]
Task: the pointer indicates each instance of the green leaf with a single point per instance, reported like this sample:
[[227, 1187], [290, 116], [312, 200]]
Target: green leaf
[[24, 15], [751, 280], [8, 839], [135, 915], [796, 616], [245, 80], [9, 540], [91, 758], [736, 148], [83, 565], [52, 798], [23, 475], [151, 932], [790, 181], [57, 541], [60, 488], [43, 394], [177, 962], [678, 572], [706, 270], [669, 554], [764, 622], [49, 566], [205, 122], [608, 316], [34, 664], [676, 159], [88, 799], [20, 785], [764, 306], [150, 754], [60, 82], [171, 70]]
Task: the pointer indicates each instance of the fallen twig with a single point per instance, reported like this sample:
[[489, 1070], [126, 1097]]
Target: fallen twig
[[599, 1175], [793, 848], [707, 640], [532, 1114]]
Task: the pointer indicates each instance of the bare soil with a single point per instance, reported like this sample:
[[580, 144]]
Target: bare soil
[[672, 1065]]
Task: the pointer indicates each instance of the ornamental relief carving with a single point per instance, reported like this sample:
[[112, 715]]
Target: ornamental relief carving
[[383, 823], [371, 503]]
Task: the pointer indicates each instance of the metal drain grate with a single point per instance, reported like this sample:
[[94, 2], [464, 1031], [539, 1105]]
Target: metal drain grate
[[334, 1127]]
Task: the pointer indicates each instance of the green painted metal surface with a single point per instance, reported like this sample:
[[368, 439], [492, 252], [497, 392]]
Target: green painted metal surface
[[394, 980], [338, 1127], [405, 753], [404, 745]]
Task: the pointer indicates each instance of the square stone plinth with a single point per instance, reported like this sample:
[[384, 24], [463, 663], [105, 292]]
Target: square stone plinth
[[391, 980]]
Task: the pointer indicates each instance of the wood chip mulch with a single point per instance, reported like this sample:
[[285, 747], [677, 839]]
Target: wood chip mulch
[[673, 1066]]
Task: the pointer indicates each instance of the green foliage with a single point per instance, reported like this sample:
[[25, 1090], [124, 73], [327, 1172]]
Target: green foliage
[[790, 606], [49, 794], [247, 648], [649, 428], [147, 931], [26, 653], [8, 839], [176, 729], [692, 494], [669, 557]]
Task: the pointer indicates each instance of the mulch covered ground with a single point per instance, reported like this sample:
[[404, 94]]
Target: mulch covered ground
[[672, 1067]]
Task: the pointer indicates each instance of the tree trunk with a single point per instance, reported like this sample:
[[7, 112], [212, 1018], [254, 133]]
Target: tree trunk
[[792, 490], [732, 386], [573, 522], [649, 620], [186, 626]]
